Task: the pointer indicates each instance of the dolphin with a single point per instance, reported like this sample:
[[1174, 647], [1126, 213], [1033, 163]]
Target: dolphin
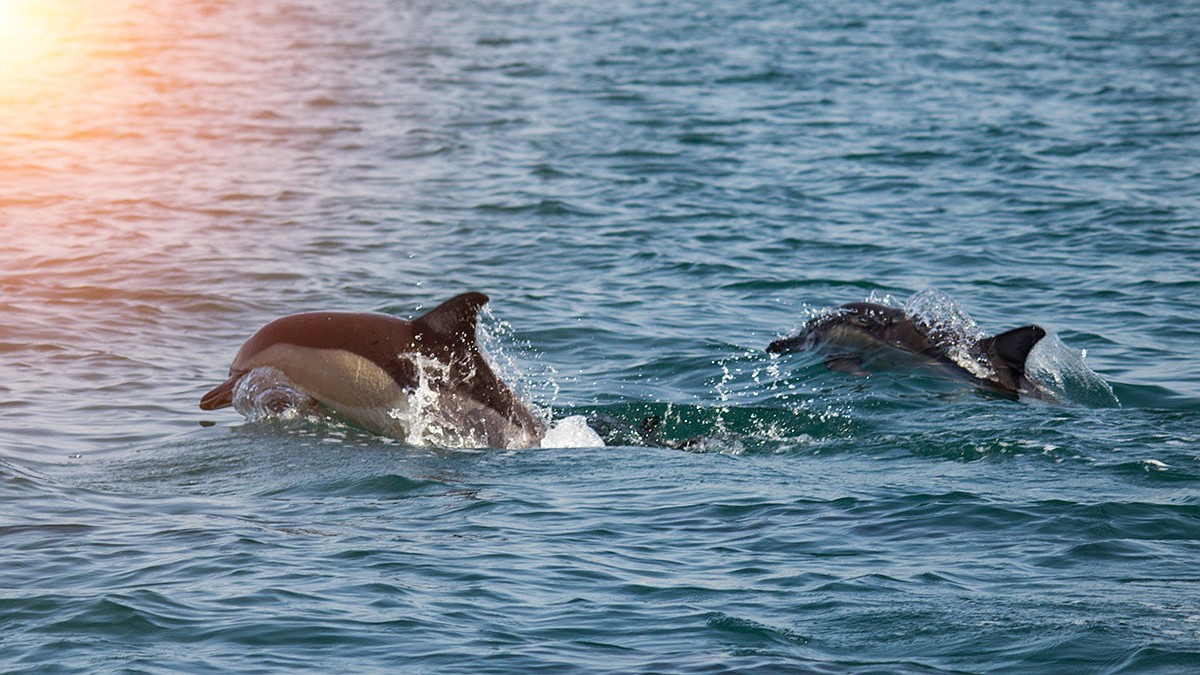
[[389, 375], [859, 333]]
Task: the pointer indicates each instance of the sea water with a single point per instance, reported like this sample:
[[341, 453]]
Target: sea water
[[650, 192]]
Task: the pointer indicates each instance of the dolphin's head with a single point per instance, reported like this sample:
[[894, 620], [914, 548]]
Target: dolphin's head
[[855, 326]]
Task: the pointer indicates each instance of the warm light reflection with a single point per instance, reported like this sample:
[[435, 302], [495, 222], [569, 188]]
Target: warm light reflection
[[39, 47], [25, 37], [48, 83]]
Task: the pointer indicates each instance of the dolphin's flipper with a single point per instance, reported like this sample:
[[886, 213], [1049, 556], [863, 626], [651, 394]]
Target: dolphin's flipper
[[846, 364], [1012, 347]]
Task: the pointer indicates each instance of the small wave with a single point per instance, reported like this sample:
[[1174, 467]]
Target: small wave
[[137, 616], [542, 207], [388, 486], [748, 629]]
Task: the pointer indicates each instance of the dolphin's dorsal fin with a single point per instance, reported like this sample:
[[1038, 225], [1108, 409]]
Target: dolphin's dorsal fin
[[1012, 347], [454, 318]]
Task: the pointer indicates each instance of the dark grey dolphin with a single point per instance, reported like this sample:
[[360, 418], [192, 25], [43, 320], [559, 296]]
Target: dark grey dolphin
[[375, 369], [858, 333]]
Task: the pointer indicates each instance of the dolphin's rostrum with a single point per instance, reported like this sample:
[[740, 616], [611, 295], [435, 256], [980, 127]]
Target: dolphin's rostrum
[[392, 376], [857, 333]]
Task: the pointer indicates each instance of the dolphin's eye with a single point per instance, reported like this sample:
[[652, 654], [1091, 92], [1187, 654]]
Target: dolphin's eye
[[862, 320]]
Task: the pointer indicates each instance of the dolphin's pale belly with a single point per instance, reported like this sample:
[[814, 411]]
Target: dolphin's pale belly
[[346, 383], [339, 379]]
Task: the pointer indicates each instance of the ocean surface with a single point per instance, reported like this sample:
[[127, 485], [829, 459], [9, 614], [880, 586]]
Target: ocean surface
[[650, 192]]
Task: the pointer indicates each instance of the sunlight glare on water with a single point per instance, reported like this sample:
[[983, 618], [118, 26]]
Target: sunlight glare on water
[[42, 49], [26, 37]]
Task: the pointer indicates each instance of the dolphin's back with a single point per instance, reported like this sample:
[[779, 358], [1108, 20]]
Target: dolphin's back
[[377, 338]]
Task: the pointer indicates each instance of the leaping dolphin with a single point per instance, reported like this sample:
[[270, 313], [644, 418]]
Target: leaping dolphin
[[377, 371], [858, 333]]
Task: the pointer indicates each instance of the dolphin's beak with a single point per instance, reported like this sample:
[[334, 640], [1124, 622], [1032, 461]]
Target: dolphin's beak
[[221, 395]]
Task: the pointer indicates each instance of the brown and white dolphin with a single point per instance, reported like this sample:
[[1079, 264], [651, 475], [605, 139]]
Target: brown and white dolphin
[[859, 333], [389, 375]]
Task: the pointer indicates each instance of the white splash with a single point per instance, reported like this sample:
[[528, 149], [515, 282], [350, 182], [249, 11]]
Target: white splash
[[1061, 372], [572, 432], [939, 311], [532, 378], [266, 393], [946, 322], [422, 419]]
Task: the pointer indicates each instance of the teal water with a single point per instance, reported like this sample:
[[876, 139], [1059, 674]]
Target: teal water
[[650, 192]]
